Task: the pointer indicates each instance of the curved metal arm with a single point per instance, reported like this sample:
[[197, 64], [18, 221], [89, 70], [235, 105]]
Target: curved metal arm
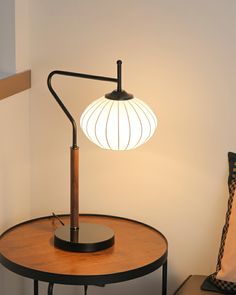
[[85, 76], [74, 149], [65, 110]]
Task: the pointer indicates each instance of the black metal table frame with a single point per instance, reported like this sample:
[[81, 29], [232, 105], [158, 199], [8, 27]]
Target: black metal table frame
[[51, 284], [90, 280]]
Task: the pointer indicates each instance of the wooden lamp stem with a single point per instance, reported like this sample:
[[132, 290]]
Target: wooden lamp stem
[[74, 188]]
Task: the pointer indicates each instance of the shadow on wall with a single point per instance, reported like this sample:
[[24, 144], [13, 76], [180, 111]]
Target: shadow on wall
[[5, 206]]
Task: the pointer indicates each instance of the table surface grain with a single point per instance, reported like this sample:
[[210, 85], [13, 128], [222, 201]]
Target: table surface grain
[[28, 249]]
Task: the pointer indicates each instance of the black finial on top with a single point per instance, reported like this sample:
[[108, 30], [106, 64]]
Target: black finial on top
[[119, 94]]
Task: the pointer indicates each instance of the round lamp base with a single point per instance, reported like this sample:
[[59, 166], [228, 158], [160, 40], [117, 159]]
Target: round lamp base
[[89, 237]]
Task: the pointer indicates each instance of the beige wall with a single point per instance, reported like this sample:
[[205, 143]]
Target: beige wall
[[14, 175], [179, 56], [15, 141]]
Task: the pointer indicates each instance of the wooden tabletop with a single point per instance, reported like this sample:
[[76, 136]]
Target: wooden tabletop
[[27, 249]]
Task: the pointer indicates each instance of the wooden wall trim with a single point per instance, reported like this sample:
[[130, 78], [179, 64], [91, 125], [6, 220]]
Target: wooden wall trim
[[14, 84]]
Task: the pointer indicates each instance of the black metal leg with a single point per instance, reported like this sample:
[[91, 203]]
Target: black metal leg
[[50, 288], [36, 287], [85, 289], [164, 278]]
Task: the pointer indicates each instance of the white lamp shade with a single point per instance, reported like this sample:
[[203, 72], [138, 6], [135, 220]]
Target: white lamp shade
[[118, 124]]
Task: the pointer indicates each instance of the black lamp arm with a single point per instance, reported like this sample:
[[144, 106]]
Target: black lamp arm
[[85, 76]]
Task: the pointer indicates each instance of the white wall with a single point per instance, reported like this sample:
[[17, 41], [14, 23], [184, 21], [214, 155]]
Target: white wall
[[179, 56]]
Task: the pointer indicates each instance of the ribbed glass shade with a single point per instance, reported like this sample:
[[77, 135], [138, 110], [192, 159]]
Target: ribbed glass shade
[[118, 124]]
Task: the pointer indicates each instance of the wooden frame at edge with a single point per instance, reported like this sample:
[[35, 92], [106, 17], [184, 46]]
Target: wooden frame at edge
[[14, 84]]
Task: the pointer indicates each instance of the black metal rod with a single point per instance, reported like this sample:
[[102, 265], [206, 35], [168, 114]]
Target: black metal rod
[[36, 287], [84, 76], [50, 289], [61, 104], [119, 63], [164, 278], [65, 110], [85, 289]]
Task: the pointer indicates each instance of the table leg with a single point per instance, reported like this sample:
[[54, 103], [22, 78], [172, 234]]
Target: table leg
[[36, 287], [50, 289], [164, 278]]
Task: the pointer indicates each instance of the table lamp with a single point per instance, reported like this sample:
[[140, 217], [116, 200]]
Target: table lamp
[[116, 121]]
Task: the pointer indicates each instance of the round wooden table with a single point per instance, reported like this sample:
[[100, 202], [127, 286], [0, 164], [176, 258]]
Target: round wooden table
[[28, 250]]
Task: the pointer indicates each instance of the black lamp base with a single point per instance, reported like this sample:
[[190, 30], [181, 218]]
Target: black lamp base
[[90, 237]]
